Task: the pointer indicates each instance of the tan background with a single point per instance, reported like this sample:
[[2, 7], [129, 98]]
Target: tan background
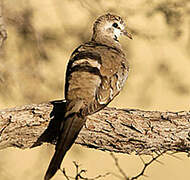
[[41, 37]]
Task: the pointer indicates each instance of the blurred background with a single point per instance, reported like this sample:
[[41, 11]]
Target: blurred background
[[41, 37]]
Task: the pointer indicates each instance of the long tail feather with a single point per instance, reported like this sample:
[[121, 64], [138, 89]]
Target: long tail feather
[[71, 128]]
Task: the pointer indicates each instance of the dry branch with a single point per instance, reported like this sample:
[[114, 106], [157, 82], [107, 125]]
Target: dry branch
[[115, 130]]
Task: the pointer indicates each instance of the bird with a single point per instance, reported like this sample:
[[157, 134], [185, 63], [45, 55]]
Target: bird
[[96, 72]]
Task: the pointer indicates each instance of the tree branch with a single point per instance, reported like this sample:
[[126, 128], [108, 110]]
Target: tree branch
[[111, 129]]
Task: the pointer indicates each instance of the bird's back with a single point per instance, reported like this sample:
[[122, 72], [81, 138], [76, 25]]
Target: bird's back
[[95, 73]]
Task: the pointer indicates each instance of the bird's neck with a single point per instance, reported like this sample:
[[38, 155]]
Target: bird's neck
[[106, 40]]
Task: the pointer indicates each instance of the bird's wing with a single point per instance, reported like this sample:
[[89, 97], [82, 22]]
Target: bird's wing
[[114, 71]]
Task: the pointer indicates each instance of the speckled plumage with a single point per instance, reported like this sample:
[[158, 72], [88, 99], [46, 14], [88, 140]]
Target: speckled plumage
[[96, 73]]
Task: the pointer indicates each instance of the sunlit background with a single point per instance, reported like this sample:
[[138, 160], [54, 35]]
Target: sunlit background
[[41, 37]]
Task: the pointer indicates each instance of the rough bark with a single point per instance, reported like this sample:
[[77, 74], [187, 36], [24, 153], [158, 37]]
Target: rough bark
[[111, 129]]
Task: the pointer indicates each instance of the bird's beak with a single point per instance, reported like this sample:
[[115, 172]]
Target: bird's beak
[[126, 33]]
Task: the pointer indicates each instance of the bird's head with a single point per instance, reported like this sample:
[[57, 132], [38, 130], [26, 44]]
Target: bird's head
[[109, 26]]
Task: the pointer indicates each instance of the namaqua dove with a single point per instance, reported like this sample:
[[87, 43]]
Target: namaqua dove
[[96, 73]]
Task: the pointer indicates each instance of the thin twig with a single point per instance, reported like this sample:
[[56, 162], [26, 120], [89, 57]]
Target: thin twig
[[146, 165], [173, 155], [64, 173], [79, 173], [118, 166]]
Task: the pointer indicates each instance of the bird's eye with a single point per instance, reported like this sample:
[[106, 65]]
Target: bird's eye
[[115, 25]]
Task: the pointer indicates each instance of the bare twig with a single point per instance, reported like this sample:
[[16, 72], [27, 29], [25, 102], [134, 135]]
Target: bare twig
[[173, 154], [64, 173], [79, 173], [118, 167], [124, 176], [146, 165]]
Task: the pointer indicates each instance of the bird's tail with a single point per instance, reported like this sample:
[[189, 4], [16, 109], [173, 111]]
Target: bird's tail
[[70, 130]]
